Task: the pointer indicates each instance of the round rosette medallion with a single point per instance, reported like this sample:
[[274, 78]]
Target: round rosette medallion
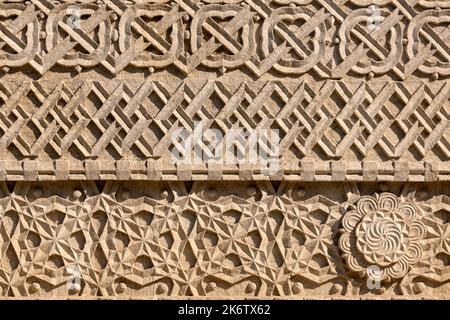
[[382, 231]]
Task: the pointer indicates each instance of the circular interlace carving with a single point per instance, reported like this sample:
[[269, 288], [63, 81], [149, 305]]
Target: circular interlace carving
[[299, 58], [130, 27], [383, 231], [10, 33], [361, 30], [86, 25], [233, 25], [422, 41]]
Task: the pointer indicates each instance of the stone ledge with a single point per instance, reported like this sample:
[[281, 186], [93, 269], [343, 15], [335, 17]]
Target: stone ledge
[[157, 170]]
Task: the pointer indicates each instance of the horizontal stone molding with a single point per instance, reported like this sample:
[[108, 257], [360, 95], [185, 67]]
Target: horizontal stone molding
[[155, 170]]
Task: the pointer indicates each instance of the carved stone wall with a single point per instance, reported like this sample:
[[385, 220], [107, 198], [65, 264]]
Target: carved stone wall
[[92, 202]]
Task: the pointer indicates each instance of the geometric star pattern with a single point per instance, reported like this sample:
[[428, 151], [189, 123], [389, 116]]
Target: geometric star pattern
[[182, 239]]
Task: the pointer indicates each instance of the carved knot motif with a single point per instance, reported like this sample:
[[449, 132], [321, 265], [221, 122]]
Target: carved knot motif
[[382, 231]]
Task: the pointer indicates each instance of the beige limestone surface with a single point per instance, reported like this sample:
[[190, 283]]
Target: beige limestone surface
[[92, 203]]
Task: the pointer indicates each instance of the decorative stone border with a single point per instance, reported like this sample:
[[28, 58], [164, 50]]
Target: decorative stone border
[[244, 239], [157, 170], [255, 37], [93, 206]]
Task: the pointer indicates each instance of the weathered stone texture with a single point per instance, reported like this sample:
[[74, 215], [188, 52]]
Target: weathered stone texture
[[92, 91]]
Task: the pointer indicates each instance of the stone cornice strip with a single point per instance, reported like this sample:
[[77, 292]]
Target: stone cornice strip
[[29, 170]]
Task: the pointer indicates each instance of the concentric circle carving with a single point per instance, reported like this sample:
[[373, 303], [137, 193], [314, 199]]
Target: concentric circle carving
[[384, 231]]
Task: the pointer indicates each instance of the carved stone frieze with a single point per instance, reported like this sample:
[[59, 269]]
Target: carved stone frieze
[[218, 148], [244, 239]]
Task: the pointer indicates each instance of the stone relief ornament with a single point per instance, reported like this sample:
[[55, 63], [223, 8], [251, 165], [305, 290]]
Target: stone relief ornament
[[313, 139], [265, 40], [384, 231], [244, 239]]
